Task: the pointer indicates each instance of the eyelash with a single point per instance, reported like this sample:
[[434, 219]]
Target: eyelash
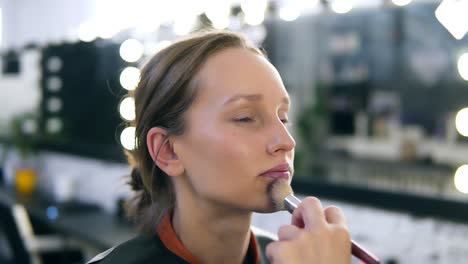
[[249, 119], [245, 120]]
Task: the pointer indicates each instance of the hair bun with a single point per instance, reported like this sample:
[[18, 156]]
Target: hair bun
[[135, 180]]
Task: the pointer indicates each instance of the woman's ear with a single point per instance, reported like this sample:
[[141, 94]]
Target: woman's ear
[[162, 152]]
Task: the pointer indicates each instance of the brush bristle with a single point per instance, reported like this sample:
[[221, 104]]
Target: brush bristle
[[279, 190]]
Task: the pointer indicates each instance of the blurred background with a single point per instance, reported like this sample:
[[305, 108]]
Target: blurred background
[[380, 113]]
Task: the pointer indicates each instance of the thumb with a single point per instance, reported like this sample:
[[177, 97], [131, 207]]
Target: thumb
[[309, 214]]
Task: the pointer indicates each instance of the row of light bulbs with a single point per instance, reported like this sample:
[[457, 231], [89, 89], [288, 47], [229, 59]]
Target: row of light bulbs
[[148, 15], [131, 50], [450, 13], [461, 124], [461, 175]]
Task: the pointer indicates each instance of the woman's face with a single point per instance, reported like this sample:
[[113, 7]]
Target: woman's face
[[236, 130]]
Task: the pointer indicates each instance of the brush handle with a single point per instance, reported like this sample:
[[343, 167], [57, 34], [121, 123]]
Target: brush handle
[[291, 202]]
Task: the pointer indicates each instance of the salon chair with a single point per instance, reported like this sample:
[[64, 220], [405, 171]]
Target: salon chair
[[20, 245]]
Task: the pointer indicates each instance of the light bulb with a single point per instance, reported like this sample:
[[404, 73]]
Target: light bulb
[[127, 109], [131, 50], [127, 138], [129, 78], [461, 179]]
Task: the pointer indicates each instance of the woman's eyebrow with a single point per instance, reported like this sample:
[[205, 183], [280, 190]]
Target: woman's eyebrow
[[251, 97]]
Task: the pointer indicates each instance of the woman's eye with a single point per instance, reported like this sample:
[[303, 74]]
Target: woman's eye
[[244, 119], [285, 121]]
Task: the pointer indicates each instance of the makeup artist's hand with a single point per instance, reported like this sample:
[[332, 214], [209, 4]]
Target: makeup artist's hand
[[316, 236]]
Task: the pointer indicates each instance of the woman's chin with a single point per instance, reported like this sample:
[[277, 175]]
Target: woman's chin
[[266, 208]]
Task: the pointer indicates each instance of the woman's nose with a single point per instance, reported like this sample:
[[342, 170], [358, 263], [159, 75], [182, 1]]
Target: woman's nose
[[280, 139]]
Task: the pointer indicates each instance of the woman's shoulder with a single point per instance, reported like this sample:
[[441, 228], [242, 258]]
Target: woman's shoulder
[[141, 249]]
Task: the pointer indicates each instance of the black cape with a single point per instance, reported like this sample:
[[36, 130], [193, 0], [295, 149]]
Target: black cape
[[144, 250]]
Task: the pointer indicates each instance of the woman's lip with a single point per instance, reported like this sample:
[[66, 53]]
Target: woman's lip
[[282, 171], [277, 174], [280, 168]]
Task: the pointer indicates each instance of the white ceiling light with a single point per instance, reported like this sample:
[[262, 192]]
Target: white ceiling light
[[87, 32], [131, 50], [107, 15], [254, 19], [461, 122], [463, 66], [152, 14], [341, 6], [461, 179], [218, 12], [289, 12], [401, 2], [310, 6], [254, 11], [127, 138], [452, 14], [129, 78], [108, 31], [197, 7], [184, 24]]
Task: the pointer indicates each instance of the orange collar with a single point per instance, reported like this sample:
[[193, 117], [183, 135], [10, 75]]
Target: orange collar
[[169, 238]]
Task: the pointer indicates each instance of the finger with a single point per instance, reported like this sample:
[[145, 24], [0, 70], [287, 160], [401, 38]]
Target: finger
[[288, 232], [309, 214], [282, 252], [271, 250], [334, 215]]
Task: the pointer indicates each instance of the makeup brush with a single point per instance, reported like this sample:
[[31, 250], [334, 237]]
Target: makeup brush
[[284, 199]]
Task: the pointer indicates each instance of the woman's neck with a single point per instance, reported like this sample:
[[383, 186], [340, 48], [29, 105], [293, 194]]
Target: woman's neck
[[212, 234]]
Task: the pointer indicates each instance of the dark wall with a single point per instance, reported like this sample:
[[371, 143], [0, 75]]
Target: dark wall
[[90, 93]]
